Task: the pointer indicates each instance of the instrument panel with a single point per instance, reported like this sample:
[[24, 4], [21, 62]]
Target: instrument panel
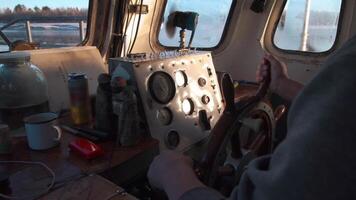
[[179, 93]]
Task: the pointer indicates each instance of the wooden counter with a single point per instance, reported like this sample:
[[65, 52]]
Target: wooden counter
[[67, 165]]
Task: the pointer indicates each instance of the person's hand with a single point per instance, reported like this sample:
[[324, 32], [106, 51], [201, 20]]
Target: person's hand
[[173, 173], [278, 72]]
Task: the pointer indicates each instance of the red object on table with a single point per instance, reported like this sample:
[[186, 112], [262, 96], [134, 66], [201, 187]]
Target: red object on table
[[86, 148]]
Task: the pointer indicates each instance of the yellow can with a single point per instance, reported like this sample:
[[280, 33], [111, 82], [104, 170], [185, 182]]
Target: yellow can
[[79, 98]]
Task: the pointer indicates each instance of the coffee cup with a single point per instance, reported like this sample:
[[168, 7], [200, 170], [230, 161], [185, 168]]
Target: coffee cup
[[42, 131]]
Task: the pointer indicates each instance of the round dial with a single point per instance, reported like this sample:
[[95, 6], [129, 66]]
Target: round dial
[[188, 106], [162, 87], [172, 139], [165, 116], [201, 82], [181, 78], [205, 99]]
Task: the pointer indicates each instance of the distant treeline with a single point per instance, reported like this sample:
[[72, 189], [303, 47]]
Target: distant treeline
[[8, 14]]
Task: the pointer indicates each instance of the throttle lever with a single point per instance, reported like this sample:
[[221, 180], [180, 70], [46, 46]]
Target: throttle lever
[[261, 91]]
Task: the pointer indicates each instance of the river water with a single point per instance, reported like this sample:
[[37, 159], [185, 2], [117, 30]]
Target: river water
[[48, 35]]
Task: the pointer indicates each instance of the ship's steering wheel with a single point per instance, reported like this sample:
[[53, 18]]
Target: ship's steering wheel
[[228, 151]]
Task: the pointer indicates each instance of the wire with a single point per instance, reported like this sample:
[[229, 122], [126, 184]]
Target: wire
[[128, 20], [150, 32], [30, 163], [132, 30], [124, 27], [138, 26]]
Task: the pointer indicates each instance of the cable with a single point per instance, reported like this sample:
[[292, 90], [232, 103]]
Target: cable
[[124, 27], [138, 26], [150, 32], [128, 20], [132, 30], [30, 163]]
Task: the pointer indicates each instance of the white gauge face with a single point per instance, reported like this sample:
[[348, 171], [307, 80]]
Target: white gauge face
[[162, 87], [181, 79], [187, 106]]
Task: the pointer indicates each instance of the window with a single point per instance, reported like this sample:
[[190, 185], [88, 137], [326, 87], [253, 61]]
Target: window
[[213, 16], [44, 24], [3, 45], [308, 25]]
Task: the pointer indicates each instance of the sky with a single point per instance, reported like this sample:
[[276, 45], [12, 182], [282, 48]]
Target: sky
[[49, 3]]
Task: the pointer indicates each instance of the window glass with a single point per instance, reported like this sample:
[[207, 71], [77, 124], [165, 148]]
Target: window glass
[[308, 25], [3, 45], [212, 20], [46, 24]]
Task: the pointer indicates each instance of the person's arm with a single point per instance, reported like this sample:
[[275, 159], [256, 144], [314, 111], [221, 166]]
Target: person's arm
[[281, 84], [173, 173]]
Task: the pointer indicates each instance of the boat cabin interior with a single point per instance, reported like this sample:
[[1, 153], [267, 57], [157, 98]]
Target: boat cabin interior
[[93, 90]]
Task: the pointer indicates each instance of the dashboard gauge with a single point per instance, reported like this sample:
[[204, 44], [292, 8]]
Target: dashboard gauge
[[165, 116], [181, 79], [162, 87], [201, 82], [172, 139], [205, 99], [188, 106]]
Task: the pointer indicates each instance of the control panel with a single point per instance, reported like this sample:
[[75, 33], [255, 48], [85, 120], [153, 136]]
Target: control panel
[[179, 93]]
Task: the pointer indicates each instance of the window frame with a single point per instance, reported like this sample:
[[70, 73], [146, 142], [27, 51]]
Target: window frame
[[223, 35], [297, 52], [87, 34], [89, 18]]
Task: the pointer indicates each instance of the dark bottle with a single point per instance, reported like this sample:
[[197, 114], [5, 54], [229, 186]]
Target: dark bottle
[[103, 105], [117, 85], [125, 108], [129, 121]]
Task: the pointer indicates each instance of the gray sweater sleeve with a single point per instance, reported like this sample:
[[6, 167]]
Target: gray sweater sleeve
[[317, 160]]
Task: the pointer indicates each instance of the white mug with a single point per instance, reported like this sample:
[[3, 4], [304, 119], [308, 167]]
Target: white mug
[[42, 131]]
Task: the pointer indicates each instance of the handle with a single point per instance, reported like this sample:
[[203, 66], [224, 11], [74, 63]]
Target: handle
[[227, 123], [59, 133], [218, 133], [278, 113], [264, 85]]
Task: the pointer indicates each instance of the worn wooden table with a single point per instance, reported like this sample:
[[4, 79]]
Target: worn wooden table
[[67, 166], [92, 187]]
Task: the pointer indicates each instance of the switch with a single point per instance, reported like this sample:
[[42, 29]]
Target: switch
[[204, 121], [209, 71]]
